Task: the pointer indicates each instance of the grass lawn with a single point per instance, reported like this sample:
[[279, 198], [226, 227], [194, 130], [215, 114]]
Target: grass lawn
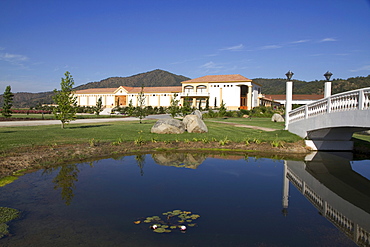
[[14, 137]]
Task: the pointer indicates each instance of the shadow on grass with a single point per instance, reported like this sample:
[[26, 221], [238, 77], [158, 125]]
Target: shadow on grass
[[7, 132], [87, 126]]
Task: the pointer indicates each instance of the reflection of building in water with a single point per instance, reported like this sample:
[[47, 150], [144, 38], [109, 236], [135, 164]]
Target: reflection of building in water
[[187, 160], [340, 194]]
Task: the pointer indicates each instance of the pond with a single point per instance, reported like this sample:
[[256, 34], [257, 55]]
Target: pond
[[222, 200]]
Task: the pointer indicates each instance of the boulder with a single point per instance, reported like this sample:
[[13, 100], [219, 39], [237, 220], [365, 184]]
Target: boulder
[[194, 124], [277, 118], [366, 132], [198, 113], [168, 126]]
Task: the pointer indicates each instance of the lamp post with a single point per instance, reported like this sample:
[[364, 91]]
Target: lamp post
[[289, 95], [327, 89]]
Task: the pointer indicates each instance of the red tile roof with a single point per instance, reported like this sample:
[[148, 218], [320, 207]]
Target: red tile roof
[[176, 89], [295, 96], [96, 91], [219, 78]]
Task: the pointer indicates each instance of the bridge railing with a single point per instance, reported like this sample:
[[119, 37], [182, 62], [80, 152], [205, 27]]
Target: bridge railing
[[351, 100], [355, 232]]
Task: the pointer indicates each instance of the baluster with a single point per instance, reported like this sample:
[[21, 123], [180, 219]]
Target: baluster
[[361, 100]]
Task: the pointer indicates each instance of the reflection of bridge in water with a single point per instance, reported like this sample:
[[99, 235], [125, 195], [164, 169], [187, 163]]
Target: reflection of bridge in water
[[340, 194]]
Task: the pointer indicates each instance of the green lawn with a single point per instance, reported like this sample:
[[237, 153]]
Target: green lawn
[[14, 137]]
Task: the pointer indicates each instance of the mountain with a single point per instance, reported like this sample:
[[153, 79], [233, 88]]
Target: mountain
[[155, 78]]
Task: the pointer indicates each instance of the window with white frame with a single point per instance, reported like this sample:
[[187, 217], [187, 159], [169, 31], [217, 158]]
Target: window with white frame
[[188, 89], [201, 89]]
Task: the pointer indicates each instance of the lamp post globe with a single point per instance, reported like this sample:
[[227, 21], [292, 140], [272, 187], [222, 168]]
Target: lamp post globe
[[289, 75], [328, 75]]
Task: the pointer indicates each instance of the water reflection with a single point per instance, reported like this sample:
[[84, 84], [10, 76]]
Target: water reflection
[[327, 181], [339, 193], [65, 180], [140, 159], [187, 160]]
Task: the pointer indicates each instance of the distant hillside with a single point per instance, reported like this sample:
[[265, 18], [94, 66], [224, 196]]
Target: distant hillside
[[277, 86], [155, 78]]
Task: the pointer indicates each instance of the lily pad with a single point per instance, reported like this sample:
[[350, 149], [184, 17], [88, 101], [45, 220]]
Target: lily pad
[[159, 230], [171, 220]]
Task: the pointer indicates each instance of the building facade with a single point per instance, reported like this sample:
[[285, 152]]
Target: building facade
[[235, 91]]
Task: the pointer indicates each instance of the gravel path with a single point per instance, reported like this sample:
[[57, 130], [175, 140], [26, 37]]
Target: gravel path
[[246, 126], [78, 121]]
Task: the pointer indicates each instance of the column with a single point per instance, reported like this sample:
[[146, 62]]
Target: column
[[327, 89], [249, 97], [220, 101], [288, 102]]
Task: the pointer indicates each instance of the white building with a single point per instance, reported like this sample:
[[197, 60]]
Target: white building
[[111, 97], [235, 91], [297, 99]]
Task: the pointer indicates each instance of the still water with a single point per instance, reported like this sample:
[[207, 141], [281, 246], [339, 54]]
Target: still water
[[241, 201]]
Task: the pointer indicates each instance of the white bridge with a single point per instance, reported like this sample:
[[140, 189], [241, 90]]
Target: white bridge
[[329, 123]]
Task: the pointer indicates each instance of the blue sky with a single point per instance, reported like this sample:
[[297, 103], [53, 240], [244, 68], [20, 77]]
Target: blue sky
[[94, 40]]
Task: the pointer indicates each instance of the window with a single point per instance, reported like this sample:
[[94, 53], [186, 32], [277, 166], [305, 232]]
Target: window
[[189, 89], [201, 89]]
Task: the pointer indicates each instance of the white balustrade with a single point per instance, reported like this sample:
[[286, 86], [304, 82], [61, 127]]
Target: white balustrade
[[347, 101]]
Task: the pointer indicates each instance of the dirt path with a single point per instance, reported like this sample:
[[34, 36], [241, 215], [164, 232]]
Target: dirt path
[[245, 126]]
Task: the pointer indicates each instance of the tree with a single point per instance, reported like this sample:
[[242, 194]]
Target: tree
[[207, 104], [98, 106], [174, 108], [66, 101], [200, 105], [130, 108], [140, 111], [8, 102], [186, 108], [222, 110]]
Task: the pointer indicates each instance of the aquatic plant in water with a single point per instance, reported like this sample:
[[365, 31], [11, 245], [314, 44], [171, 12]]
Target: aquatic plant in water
[[6, 215], [171, 220]]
